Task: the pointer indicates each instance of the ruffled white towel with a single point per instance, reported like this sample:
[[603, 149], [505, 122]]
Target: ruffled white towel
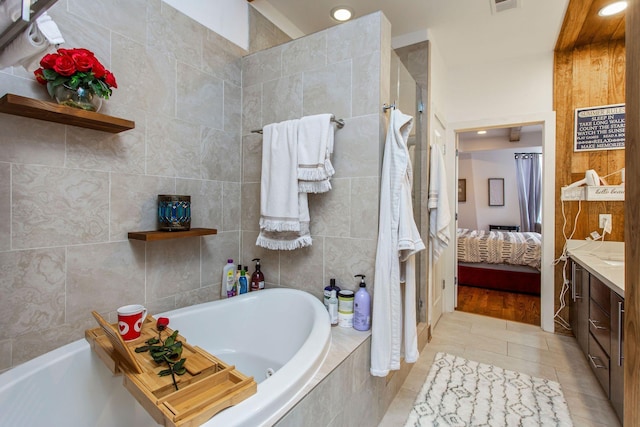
[[315, 146], [284, 211]]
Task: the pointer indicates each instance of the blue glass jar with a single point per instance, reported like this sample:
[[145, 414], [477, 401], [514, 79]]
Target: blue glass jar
[[174, 212]]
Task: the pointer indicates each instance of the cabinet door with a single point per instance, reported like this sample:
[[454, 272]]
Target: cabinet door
[[616, 392], [579, 305]]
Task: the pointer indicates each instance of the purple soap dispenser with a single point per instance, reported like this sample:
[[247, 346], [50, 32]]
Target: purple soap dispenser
[[362, 307]]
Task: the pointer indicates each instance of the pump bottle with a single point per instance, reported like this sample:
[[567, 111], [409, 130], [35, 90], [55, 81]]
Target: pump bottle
[[257, 278], [362, 307]]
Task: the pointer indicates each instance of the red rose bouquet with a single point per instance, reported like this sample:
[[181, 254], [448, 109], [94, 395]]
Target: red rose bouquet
[[75, 68]]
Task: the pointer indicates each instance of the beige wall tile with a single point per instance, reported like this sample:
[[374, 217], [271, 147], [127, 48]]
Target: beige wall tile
[[251, 207], [173, 148], [353, 38], [221, 155], [121, 152], [269, 260], [124, 20], [282, 99], [173, 267], [251, 108], [104, 277], [5, 206], [201, 97], [231, 206], [262, 66], [215, 251], [328, 90], [232, 108], [364, 205], [206, 201], [5, 355], [134, 202], [222, 58], [32, 286], [330, 212], [72, 206], [251, 157], [344, 258], [366, 95], [356, 152], [174, 33], [303, 268], [31, 141], [304, 54]]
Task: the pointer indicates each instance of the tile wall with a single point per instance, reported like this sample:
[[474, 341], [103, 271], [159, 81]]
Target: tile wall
[[68, 196], [343, 70]]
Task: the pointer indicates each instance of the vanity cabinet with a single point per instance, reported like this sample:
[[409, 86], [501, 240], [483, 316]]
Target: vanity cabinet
[[596, 316], [579, 305]]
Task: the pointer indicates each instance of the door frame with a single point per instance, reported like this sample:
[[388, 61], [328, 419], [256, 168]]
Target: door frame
[[547, 288]]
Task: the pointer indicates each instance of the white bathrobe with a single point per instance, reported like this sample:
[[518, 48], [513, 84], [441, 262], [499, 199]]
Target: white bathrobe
[[398, 241]]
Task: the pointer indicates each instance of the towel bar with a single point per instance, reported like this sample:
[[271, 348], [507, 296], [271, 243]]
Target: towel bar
[[339, 124]]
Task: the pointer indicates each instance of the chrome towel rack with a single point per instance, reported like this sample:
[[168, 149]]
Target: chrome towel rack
[[339, 124]]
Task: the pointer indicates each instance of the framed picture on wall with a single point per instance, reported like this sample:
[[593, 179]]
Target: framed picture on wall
[[496, 191], [462, 190]]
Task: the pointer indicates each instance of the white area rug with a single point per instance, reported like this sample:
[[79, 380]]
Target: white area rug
[[459, 392]]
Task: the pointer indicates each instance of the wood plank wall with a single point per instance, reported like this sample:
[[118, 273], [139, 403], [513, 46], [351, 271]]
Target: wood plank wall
[[632, 228], [586, 76]]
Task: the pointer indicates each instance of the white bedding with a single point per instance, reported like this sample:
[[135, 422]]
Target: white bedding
[[499, 247]]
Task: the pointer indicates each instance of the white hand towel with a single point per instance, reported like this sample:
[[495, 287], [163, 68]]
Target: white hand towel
[[315, 146], [438, 203], [25, 49], [284, 211], [49, 29]]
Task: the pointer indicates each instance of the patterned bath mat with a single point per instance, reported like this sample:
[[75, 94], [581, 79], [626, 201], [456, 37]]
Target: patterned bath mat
[[459, 392]]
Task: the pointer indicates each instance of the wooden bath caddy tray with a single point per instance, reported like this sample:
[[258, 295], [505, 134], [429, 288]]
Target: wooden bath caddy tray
[[208, 386]]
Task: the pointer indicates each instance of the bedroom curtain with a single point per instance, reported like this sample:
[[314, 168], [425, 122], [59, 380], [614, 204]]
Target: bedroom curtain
[[529, 176]]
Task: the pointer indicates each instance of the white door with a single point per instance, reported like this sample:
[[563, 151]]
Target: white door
[[437, 269]]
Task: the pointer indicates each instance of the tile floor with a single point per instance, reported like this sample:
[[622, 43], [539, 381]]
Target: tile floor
[[515, 346]]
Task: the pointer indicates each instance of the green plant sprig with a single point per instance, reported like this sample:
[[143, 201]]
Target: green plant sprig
[[167, 352]]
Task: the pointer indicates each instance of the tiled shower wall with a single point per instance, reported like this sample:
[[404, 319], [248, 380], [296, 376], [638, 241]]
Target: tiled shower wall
[[343, 70], [68, 196]]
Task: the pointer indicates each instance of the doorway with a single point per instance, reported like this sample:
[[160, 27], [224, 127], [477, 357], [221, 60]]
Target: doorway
[[547, 123]]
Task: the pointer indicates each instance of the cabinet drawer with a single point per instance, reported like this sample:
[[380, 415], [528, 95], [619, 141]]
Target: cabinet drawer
[[600, 326], [600, 293], [599, 362]]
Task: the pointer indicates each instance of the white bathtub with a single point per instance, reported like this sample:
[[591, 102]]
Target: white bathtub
[[281, 329]]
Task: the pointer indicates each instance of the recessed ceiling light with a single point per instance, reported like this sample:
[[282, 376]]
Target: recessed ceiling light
[[482, 132], [613, 8], [341, 13]]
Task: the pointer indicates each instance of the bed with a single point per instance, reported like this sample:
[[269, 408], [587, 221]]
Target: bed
[[498, 259]]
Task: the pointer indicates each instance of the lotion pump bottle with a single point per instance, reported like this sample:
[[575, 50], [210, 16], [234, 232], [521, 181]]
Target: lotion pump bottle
[[327, 291], [333, 308], [362, 307], [257, 278]]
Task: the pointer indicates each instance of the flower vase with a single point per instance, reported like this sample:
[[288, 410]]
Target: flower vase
[[81, 98]]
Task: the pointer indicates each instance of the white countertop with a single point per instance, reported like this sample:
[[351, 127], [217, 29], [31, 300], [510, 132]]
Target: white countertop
[[605, 260]]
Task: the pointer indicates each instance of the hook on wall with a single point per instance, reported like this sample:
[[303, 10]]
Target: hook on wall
[[386, 107]]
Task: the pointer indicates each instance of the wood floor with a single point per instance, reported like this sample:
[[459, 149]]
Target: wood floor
[[502, 305]]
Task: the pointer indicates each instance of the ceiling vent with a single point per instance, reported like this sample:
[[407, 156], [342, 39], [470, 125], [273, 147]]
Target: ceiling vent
[[502, 5]]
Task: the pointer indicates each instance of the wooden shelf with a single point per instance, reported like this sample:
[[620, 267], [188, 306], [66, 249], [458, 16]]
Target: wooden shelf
[[150, 236], [51, 112]]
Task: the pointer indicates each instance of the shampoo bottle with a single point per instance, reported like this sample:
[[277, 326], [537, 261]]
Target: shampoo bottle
[[257, 278], [362, 307], [333, 308], [327, 291], [243, 283], [228, 277]]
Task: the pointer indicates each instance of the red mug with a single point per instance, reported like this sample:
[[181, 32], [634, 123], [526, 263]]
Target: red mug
[[130, 319]]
